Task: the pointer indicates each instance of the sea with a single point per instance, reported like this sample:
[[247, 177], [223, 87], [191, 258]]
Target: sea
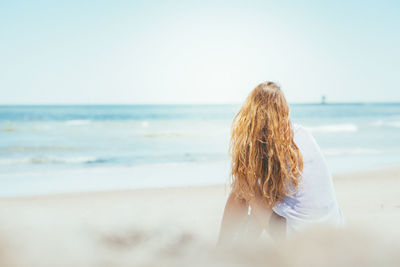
[[75, 148]]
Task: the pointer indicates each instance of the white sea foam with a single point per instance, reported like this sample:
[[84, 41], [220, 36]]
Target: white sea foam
[[47, 160], [378, 123], [160, 135], [394, 124], [14, 161], [39, 148], [77, 122], [145, 124], [350, 151], [348, 127]]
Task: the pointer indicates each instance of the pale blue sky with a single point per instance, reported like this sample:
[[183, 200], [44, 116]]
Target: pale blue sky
[[88, 52]]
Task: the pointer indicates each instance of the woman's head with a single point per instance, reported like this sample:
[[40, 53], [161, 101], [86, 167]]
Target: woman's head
[[264, 155]]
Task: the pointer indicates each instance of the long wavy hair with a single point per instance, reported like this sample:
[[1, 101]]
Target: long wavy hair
[[265, 159]]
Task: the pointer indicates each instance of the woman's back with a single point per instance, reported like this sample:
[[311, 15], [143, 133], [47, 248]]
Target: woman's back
[[271, 158], [314, 200]]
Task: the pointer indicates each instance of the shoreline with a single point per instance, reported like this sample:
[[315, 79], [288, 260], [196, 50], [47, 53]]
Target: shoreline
[[391, 170]]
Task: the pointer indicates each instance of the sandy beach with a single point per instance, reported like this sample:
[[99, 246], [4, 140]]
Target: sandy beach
[[179, 226]]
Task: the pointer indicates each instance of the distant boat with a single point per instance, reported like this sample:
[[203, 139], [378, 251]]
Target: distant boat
[[323, 100]]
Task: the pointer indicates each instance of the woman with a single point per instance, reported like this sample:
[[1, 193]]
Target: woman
[[278, 172]]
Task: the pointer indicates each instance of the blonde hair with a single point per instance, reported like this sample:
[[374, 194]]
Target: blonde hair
[[264, 155]]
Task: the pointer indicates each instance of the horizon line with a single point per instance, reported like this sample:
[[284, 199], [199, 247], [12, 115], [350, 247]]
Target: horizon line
[[192, 104]]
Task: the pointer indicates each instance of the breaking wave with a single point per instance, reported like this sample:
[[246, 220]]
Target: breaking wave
[[348, 127], [350, 151], [77, 122], [51, 160]]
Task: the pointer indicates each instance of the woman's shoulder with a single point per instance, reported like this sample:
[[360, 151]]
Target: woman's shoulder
[[302, 135], [298, 128]]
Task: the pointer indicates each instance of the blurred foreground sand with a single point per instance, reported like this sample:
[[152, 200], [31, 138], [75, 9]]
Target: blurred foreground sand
[[179, 227]]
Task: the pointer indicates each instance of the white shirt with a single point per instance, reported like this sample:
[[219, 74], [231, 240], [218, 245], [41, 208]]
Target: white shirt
[[315, 200]]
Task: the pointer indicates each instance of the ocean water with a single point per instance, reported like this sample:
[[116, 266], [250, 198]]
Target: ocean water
[[80, 148]]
